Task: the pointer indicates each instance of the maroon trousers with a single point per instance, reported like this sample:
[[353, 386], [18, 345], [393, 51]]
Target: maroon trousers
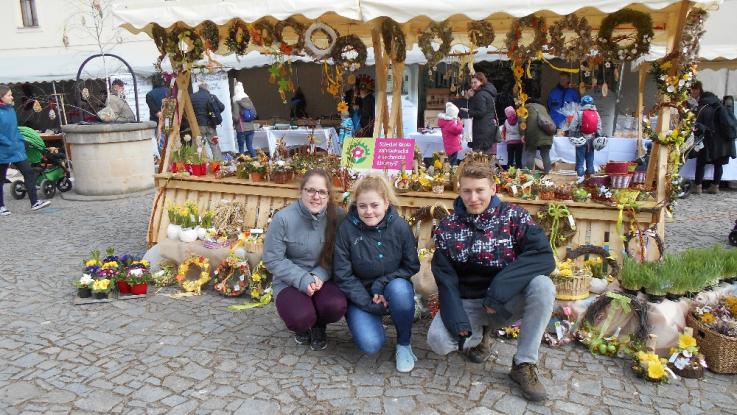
[[301, 312]]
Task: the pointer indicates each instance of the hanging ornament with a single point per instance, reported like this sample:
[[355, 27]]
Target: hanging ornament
[[85, 94], [37, 106], [52, 115], [351, 79]]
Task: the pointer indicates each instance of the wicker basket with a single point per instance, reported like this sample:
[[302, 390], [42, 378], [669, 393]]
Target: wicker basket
[[573, 288], [620, 181], [719, 350]]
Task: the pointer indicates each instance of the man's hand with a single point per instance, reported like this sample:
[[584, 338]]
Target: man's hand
[[379, 299], [489, 310]]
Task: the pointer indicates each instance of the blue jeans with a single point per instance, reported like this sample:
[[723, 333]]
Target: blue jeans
[[366, 328], [246, 137], [583, 155]]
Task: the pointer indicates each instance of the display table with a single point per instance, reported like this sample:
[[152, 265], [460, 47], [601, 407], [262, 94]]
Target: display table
[[267, 138]]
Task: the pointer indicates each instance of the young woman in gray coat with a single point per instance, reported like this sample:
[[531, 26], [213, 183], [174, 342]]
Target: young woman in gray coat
[[244, 129]]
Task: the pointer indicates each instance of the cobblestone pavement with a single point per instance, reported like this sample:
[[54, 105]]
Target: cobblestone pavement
[[191, 355]]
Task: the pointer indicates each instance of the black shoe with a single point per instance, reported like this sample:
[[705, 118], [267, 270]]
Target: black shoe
[[319, 339], [302, 338]]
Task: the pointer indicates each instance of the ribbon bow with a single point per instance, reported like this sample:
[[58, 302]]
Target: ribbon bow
[[622, 301], [557, 211]]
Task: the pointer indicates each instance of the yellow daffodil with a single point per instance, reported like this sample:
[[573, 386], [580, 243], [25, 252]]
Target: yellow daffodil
[[685, 341], [655, 370], [708, 318], [342, 106]]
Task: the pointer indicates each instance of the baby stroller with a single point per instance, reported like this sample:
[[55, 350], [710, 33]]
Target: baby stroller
[[51, 168]]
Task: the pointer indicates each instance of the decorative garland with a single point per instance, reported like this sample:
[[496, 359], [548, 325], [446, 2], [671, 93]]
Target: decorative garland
[[433, 30], [238, 38], [160, 38], [519, 52], [610, 48], [395, 43], [192, 39], [480, 33], [210, 35], [298, 28], [598, 251], [349, 43], [310, 47], [262, 33], [231, 277], [580, 48], [194, 286]]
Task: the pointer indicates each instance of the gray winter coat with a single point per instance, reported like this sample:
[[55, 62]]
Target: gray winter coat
[[534, 136], [238, 106]]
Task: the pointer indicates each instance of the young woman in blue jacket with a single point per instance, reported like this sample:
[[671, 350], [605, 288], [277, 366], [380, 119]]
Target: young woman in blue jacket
[[375, 256], [12, 150]]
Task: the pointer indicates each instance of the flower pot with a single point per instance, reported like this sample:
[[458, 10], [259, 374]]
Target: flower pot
[[203, 169], [630, 292], [84, 292], [655, 298], [201, 232], [101, 296], [214, 166], [172, 231], [547, 195], [173, 168], [189, 168], [256, 177], [617, 167], [620, 181], [598, 180], [188, 235], [139, 289], [123, 287]]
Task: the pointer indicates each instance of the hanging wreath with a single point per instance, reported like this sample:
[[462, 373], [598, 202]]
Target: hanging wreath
[[238, 38], [517, 51], [309, 45], [395, 43], [433, 30], [262, 33], [481, 33], [557, 222], [160, 37], [193, 42], [210, 35], [231, 277], [346, 44], [599, 310], [693, 30], [610, 47], [193, 274], [580, 47], [598, 251], [298, 28], [642, 238], [434, 213]]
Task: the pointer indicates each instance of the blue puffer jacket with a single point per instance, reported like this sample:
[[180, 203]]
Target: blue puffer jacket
[[12, 148]]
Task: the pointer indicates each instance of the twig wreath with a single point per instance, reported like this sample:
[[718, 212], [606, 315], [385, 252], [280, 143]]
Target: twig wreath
[[641, 236], [481, 33], [298, 28], [210, 35], [193, 274], [556, 220], [597, 251], [231, 277], [193, 42], [347, 44], [312, 49], [443, 32], [518, 52], [578, 48], [395, 43], [434, 213], [262, 33], [600, 308], [238, 38], [610, 47]]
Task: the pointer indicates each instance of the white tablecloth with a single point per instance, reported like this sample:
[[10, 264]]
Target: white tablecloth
[[268, 138]]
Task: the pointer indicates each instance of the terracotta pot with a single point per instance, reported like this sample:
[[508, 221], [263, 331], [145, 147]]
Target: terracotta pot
[[547, 195], [123, 287], [256, 177], [139, 289]]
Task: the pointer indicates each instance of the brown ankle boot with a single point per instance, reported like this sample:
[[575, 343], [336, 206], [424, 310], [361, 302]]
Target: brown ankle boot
[[481, 352], [525, 374], [713, 189], [697, 189]]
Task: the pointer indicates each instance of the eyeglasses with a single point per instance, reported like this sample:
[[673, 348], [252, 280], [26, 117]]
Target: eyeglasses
[[312, 192]]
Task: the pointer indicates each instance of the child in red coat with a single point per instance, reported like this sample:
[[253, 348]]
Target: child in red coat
[[452, 128]]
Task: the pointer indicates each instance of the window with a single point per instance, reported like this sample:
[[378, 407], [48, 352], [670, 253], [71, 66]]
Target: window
[[28, 13]]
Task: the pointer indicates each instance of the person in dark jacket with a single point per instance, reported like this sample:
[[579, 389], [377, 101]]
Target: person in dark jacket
[[298, 252], [375, 257], [368, 111], [155, 96], [13, 150], [244, 129], [491, 265], [205, 104], [719, 129], [483, 111], [298, 105]]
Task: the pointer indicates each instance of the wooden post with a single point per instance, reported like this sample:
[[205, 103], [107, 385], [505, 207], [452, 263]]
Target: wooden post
[[641, 106], [395, 119], [379, 113]]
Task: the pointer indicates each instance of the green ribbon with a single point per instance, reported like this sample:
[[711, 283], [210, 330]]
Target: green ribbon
[[264, 300], [557, 211], [618, 300]]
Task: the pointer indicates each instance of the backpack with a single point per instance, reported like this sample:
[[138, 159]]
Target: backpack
[[546, 123], [248, 115], [589, 121], [213, 114]]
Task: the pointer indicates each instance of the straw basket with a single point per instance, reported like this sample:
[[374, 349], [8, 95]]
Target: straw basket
[[573, 288], [719, 350]]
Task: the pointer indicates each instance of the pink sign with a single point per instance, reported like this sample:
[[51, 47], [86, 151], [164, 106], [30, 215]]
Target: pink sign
[[391, 153]]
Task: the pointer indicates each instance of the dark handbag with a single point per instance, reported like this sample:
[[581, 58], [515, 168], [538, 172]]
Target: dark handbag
[[212, 113]]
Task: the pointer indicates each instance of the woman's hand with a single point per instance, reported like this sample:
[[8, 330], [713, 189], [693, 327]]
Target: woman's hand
[[379, 299], [489, 310], [318, 282]]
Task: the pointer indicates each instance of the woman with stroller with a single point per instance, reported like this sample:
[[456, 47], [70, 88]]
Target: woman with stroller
[[12, 150]]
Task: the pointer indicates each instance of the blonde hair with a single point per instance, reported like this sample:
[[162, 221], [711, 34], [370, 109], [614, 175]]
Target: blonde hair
[[477, 170], [378, 184]]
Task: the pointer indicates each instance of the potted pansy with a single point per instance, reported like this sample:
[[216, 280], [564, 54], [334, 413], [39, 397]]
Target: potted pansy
[[92, 264], [84, 286], [101, 288], [138, 279]]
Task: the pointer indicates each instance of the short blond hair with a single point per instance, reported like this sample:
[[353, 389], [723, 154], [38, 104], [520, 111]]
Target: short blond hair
[[377, 183], [477, 170]]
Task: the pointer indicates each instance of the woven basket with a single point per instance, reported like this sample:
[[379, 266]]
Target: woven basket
[[719, 350], [620, 181], [210, 244], [573, 288]]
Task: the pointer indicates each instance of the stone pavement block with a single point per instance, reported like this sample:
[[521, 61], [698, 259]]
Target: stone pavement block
[[98, 401], [511, 404]]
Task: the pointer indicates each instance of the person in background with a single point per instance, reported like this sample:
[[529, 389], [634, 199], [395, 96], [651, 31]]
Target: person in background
[[559, 97], [207, 109], [482, 110], [368, 110], [154, 98], [452, 128], [353, 99], [298, 252], [584, 128], [462, 102], [534, 138], [513, 138], [116, 101], [375, 257], [13, 150], [244, 128], [298, 104]]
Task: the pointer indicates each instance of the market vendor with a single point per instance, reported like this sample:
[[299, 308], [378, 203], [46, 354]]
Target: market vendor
[[559, 96], [491, 265], [117, 103]]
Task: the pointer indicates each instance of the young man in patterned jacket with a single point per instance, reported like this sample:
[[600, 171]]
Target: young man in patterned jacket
[[491, 265]]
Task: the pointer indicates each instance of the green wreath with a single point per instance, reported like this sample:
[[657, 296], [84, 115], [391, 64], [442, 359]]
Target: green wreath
[[210, 35], [581, 47], [160, 38], [298, 28], [481, 33], [263, 33], [433, 30], [346, 44], [395, 43], [519, 52], [192, 39], [238, 38], [611, 49]]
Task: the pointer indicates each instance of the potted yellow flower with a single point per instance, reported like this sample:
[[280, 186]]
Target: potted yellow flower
[[101, 288]]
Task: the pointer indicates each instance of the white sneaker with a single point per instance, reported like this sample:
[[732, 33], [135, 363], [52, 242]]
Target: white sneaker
[[4, 211], [40, 204]]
